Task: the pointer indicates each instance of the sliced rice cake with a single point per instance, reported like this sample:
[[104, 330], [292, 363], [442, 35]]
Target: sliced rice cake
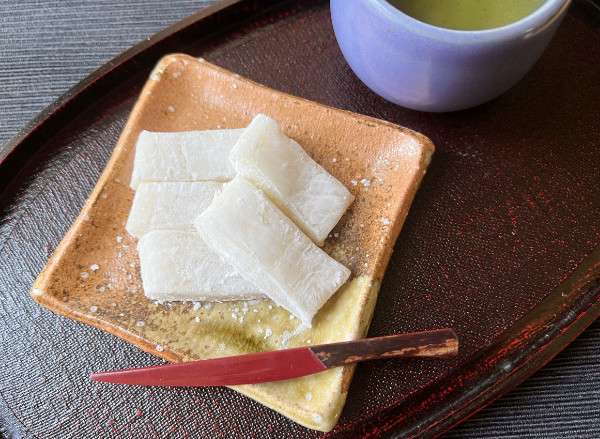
[[169, 205], [313, 198], [178, 265], [184, 156], [269, 250]]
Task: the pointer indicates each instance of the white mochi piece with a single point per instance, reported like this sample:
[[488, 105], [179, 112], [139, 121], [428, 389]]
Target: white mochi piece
[[314, 199], [184, 156], [169, 205], [269, 250], [178, 265]]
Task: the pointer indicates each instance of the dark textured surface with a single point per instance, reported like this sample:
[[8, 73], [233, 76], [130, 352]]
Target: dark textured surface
[[560, 400]]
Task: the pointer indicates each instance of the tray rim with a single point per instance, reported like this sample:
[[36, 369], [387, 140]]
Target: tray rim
[[541, 334]]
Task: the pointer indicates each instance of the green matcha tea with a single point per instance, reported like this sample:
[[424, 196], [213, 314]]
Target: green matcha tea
[[468, 14]]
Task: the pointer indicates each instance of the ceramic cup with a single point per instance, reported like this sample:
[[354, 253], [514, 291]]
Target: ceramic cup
[[429, 68]]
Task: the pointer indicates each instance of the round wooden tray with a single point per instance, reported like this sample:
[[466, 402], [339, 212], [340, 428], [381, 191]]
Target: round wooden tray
[[501, 241]]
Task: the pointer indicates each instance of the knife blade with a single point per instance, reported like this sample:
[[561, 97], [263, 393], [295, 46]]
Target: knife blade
[[287, 363]]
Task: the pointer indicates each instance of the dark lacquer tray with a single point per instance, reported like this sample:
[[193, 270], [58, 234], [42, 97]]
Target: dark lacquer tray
[[501, 242]]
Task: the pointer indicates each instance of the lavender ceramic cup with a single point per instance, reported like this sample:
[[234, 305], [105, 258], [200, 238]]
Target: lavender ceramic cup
[[430, 68]]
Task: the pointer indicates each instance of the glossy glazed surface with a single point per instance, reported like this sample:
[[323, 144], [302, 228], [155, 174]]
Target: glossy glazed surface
[[204, 96]]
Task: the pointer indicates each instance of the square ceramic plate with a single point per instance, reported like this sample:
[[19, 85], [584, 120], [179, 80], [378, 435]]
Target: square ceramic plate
[[93, 276]]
